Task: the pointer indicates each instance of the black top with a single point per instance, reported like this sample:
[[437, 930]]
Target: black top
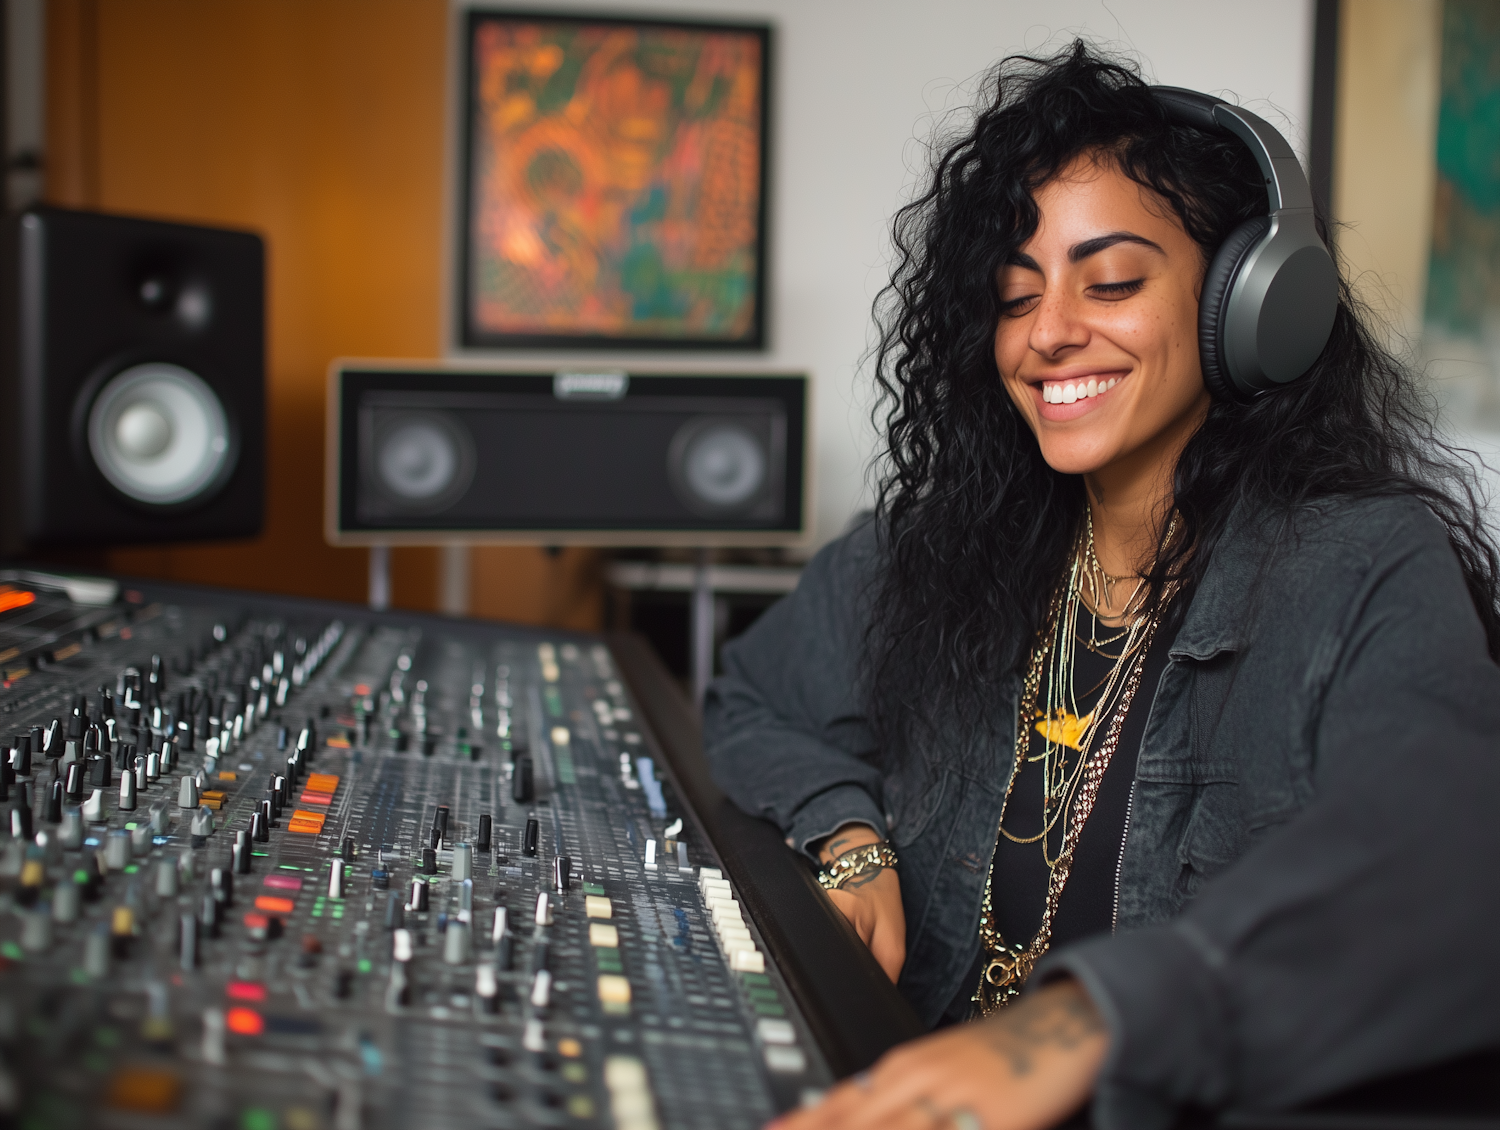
[[1019, 875]]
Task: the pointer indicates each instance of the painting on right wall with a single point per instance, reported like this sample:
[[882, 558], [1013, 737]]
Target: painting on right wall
[[1462, 308]]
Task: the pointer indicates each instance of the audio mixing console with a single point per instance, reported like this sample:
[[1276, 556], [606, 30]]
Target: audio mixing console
[[272, 864]]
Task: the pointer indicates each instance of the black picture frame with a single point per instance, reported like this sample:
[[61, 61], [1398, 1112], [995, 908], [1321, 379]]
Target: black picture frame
[[472, 336]]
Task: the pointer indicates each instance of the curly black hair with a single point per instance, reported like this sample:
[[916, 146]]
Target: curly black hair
[[975, 526]]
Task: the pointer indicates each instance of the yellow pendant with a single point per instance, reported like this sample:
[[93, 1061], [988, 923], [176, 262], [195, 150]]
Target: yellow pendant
[[1064, 728]]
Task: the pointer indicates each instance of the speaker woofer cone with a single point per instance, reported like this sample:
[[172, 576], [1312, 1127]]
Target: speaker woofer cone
[[719, 467], [159, 434], [422, 462]]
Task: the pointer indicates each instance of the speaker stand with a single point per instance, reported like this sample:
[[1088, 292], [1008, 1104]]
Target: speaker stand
[[702, 628], [380, 578]]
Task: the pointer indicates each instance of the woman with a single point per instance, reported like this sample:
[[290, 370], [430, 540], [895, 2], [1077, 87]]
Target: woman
[[1243, 642]]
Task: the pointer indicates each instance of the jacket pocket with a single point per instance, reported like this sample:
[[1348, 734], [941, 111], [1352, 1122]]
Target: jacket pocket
[[1213, 838]]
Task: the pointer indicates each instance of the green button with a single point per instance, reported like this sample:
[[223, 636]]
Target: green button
[[11, 950], [592, 889], [755, 978], [769, 1009], [257, 1118], [364, 965], [763, 995]]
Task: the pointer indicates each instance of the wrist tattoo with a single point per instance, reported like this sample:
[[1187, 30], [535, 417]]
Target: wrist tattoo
[[1054, 1020], [865, 876]]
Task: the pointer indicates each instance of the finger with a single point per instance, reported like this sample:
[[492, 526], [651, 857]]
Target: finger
[[830, 1110], [854, 1109]]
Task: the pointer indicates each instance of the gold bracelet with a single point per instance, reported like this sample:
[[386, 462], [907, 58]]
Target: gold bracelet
[[856, 861]]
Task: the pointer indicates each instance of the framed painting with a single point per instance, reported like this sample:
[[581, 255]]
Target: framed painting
[[614, 182]]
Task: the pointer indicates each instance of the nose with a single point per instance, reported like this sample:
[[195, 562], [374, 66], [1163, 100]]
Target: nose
[[1057, 325]]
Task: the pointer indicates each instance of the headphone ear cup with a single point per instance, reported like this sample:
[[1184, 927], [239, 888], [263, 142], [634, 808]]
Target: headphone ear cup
[[1217, 282]]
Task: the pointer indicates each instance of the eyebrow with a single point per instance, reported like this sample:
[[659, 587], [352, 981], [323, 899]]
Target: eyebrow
[[1081, 251]]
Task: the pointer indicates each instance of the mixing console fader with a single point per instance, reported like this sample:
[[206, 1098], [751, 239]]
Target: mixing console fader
[[285, 867]]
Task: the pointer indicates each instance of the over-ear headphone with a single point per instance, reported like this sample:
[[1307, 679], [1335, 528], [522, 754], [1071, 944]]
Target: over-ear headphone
[[1271, 291]]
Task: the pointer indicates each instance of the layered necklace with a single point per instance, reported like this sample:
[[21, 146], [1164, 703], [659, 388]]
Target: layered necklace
[[1072, 764]]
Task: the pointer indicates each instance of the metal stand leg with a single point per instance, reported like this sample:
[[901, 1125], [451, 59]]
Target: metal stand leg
[[380, 577], [702, 629], [455, 580]]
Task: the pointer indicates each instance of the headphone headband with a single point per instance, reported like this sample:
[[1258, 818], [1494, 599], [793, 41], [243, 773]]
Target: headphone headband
[[1286, 185], [1270, 294]]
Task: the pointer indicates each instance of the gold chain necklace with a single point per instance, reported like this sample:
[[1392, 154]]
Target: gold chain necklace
[[1010, 964]]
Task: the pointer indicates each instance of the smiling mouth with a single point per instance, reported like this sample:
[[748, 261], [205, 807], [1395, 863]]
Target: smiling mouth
[[1070, 392]]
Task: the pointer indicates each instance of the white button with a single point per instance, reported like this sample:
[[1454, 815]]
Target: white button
[[786, 1061], [774, 1031]]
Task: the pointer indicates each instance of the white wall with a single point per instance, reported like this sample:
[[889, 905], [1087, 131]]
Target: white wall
[[858, 85]]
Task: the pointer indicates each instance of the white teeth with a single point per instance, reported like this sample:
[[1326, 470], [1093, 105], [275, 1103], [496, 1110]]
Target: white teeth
[[1055, 393]]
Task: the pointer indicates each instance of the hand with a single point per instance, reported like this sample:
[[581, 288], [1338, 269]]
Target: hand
[[1026, 1068], [871, 901]]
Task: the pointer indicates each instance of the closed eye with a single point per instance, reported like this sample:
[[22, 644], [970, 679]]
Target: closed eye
[[1117, 290], [1016, 307]]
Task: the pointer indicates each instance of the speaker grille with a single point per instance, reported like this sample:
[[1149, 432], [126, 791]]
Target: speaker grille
[[660, 460], [159, 435]]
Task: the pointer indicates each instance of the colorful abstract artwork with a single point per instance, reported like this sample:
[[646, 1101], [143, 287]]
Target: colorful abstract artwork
[[1463, 289], [615, 183]]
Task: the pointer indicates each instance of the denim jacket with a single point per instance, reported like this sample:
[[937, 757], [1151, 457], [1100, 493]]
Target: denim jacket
[[1307, 891]]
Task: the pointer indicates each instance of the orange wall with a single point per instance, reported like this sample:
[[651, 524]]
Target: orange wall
[[318, 124]]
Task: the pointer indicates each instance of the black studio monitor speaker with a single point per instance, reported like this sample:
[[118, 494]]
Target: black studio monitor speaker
[[132, 380], [426, 455]]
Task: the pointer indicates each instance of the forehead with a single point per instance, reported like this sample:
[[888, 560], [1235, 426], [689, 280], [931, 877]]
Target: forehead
[[1091, 195]]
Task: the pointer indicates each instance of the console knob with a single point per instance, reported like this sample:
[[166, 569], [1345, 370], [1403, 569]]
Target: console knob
[[166, 878], [208, 916], [336, 880], [187, 793], [521, 783], [221, 883], [73, 781], [127, 792], [456, 943], [70, 835], [533, 833], [66, 900], [203, 822], [462, 866], [187, 941], [117, 850], [418, 902], [96, 953], [483, 843]]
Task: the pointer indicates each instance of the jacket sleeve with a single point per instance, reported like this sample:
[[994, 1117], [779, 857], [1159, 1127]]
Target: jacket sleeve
[[783, 728], [1357, 939]]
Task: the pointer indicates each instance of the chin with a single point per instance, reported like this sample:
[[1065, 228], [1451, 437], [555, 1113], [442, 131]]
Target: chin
[[1078, 455]]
